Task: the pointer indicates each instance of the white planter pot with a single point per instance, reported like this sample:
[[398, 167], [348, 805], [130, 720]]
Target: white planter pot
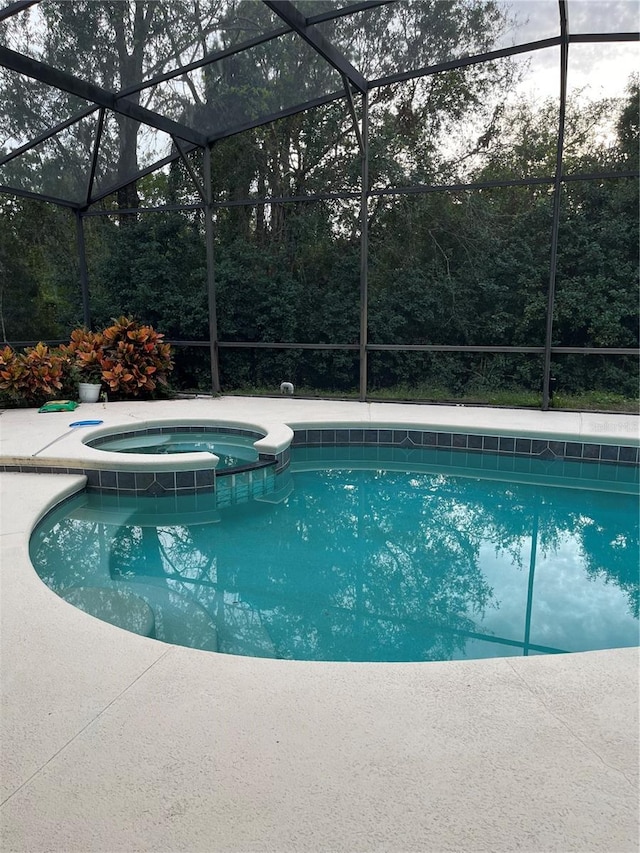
[[88, 392]]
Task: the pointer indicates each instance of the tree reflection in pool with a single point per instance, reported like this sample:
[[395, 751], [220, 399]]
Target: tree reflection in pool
[[366, 564]]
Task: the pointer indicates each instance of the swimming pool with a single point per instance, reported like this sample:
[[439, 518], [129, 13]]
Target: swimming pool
[[371, 554]]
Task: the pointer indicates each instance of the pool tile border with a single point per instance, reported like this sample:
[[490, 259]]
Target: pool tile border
[[163, 483], [541, 448]]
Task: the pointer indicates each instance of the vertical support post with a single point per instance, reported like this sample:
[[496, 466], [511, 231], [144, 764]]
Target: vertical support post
[[364, 248], [84, 275], [211, 281], [557, 191]]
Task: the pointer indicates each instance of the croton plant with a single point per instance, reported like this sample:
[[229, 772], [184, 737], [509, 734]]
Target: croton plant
[[134, 358], [128, 357], [33, 376]]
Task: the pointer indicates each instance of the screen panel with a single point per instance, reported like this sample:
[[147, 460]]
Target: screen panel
[[126, 147], [315, 152], [603, 16], [464, 269], [29, 108], [499, 379], [240, 89], [59, 166], [602, 107], [596, 302], [119, 45], [407, 36], [528, 20], [289, 272], [485, 122]]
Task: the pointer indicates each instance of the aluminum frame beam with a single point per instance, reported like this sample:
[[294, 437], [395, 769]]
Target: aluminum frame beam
[[161, 208], [364, 248], [352, 9], [90, 92], [508, 349], [285, 345], [190, 170], [51, 199], [84, 274], [211, 281], [296, 20], [14, 8], [94, 156], [557, 192], [602, 37], [354, 117], [585, 351]]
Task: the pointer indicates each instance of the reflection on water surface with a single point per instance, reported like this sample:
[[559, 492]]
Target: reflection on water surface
[[368, 564]]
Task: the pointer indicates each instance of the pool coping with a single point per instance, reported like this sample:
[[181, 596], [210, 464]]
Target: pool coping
[[76, 450], [167, 748]]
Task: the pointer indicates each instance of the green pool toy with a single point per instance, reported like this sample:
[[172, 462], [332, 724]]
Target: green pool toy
[[59, 406]]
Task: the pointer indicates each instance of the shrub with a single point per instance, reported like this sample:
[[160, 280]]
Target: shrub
[[33, 377], [130, 358], [134, 358], [85, 352]]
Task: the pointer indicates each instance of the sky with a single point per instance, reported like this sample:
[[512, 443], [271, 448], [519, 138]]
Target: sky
[[596, 70]]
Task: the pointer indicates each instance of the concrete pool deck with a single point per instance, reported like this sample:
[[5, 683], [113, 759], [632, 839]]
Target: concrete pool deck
[[118, 743]]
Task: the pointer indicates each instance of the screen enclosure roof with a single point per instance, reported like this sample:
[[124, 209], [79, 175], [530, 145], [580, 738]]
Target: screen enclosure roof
[[81, 81]]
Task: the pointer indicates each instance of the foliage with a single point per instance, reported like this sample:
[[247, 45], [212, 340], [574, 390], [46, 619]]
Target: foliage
[[452, 267], [39, 295], [598, 400], [33, 377], [153, 268], [134, 358], [85, 352], [129, 357]]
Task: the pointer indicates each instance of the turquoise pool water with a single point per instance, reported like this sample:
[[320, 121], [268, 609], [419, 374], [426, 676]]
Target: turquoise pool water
[[365, 560], [233, 450]]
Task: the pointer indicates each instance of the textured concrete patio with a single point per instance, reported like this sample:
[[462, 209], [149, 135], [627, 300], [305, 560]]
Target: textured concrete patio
[[118, 743]]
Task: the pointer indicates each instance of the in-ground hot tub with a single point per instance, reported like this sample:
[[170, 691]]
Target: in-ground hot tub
[[178, 458], [234, 448]]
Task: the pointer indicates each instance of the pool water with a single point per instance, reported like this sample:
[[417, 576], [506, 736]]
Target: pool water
[[233, 450], [362, 562]]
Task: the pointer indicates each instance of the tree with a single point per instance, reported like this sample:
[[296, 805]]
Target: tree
[[464, 268], [39, 294]]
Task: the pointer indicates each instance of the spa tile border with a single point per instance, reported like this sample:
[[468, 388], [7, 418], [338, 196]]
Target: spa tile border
[[540, 448], [148, 483], [282, 459], [162, 483], [104, 439]]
